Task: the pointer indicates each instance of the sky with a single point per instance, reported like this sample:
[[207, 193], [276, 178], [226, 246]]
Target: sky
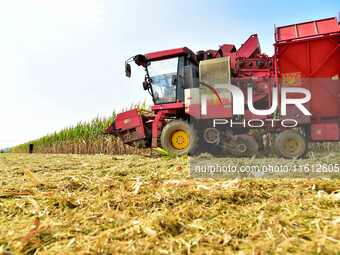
[[62, 61]]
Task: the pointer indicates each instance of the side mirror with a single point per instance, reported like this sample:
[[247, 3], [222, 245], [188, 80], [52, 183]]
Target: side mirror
[[128, 70]]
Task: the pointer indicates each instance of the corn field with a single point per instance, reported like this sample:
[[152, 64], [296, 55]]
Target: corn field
[[84, 138], [88, 138]]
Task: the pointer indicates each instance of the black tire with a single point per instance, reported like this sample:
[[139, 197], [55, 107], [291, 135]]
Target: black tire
[[291, 144], [170, 130]]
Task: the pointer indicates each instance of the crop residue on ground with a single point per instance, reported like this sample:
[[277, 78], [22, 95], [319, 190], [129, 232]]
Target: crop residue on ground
[[93, 204]]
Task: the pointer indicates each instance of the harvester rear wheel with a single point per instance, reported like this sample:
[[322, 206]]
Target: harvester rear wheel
[[178, 138], [291, 144]]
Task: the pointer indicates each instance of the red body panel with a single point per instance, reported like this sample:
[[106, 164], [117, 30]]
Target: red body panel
[[128, 120], [170, 53], [130, 126], [158, 107], [167, 53], [250, 48], [316, 57], [325, 132], [307, 29]]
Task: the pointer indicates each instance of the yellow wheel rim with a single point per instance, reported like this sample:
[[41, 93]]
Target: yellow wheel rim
[[180, 139], [292, 145]]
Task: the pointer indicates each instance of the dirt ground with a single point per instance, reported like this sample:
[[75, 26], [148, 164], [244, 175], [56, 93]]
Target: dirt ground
[[101, 204]]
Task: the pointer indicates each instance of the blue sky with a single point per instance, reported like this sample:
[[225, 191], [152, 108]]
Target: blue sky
[[62, 61]]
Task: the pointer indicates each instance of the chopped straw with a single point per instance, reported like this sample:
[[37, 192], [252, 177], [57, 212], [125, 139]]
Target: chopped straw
[[96, 204]]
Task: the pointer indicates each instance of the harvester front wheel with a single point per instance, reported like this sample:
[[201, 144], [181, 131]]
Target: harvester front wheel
[[178, 138], [291, 144]]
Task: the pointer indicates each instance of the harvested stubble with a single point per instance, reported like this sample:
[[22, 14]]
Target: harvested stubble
[[99, 204]]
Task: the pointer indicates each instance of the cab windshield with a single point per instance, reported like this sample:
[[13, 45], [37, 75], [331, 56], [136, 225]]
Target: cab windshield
[[163, 73]]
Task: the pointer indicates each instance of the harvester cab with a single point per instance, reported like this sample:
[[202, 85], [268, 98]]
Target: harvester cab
[[164, 78]]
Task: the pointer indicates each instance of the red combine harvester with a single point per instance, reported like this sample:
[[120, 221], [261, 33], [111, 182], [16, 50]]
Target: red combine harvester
[[192, 106]]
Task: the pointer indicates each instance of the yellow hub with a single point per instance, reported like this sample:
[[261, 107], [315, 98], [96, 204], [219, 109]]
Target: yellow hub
[[292, 145], [180, 139]]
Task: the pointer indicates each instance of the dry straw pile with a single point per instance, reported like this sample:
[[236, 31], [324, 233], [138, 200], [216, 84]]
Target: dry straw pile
[[99, 204]]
